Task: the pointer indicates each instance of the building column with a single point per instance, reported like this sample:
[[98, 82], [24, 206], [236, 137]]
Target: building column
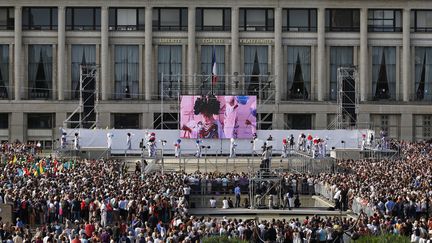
[[235, 48], [148, 45], [61, 52], [278, 53], [406, 126], [320, 121], [191, 47], [18, 53], [321, 74], [105, 73], [363, 54], [406, 57], [17, 126]]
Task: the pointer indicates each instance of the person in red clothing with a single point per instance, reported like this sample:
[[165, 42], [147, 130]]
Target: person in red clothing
[[76, 239], [89, 229]]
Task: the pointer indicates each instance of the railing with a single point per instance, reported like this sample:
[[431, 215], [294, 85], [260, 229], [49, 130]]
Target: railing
[[256, 28], [213, 28], [7, 27], [299, 29], [83, 27], [39, 27], [372, 28], [169, 28], [421, 29], [343, 29], [126, 27]]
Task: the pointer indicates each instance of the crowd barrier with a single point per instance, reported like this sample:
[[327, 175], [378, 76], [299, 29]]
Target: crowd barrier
[[358, 205]]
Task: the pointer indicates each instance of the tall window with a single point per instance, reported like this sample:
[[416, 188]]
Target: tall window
[[206, 68], [4, 120], [7, 16], [422, 127], [343, 20], [213, 19], [423, 73], [256, 19], [299, 121], [127, 121], [39, 18], [421, 20], [81, 55], [340, 56], [383, 73], [256, 69], [298, 68], [126, 18], [83, 18], [166, 121], [169, 70], [304, 20], [381, 20], [170, 19], [4, 71], [40, 120], [126, 72], [40, 71]]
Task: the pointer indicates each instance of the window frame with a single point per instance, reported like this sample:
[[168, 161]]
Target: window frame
[[199, 26], [414, 27], [384, 28], [116, 27], [51, 26], [10, 19], [4, 119], [352, 28], [51, 123], [92, 26], [309, 28], [247, 27], [179, 27], [121, 115]]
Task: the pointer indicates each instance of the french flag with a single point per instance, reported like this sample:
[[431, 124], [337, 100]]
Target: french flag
[[214, 70]]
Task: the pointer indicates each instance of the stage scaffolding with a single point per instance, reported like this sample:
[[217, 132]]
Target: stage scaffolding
[[86, 111], [172, 86]]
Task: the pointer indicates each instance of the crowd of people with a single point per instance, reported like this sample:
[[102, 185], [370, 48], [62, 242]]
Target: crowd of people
[[58, 200]]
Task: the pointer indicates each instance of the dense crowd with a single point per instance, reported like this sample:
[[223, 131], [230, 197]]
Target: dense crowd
[[57, 200]]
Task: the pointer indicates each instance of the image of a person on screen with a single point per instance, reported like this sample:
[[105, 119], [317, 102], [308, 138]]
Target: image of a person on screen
[[230, 117], [208, 127]]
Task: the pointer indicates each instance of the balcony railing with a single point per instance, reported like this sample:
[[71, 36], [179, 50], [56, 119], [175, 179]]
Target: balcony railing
[[39, 27], [343, 29], [83, 27], [299, 29], [372, 28], [213, 28], [257, 28], [126, 27], [170, 28]]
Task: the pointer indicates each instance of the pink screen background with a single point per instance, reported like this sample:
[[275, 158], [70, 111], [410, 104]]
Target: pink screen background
[[231, 122]]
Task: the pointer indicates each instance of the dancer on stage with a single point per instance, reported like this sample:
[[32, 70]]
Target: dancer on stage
[[76, 142], [109, 135], [284, 148], [233, 146], [291, 142], [63, 142], [128, 142], [152, 145], [198, 143], [177, 150]]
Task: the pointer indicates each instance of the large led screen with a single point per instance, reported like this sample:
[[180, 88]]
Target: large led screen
[[217, 116]]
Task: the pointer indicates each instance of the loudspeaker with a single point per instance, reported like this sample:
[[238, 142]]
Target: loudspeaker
[[348, 99], [88, 97]]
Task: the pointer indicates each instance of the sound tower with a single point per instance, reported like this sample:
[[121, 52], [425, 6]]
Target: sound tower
[[88, 91], [349, 98]]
